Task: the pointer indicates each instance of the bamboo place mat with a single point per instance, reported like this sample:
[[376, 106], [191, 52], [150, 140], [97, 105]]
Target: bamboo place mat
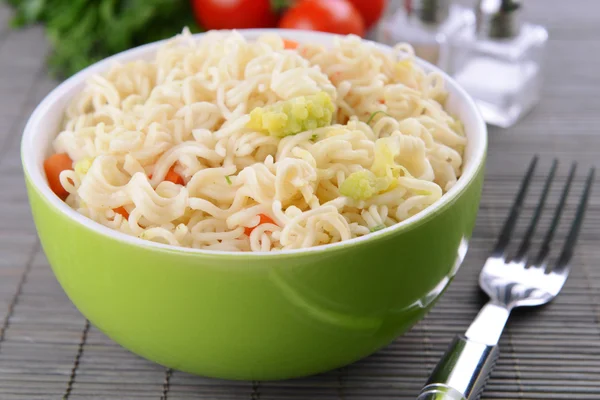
[[49, 351]]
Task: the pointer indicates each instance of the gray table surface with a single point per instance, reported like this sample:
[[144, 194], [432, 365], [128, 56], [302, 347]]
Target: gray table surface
[[48, 351]]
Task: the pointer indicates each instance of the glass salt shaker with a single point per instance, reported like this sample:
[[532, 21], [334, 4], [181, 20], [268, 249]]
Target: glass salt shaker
[[498, 60], [426, 25]]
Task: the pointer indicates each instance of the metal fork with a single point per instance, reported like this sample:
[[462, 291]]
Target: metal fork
[[522, 280]]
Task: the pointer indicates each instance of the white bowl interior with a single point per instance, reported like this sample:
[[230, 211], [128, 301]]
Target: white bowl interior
[[44, 125]]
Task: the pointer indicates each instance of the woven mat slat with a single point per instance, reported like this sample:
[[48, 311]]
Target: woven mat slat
[[48, 352]]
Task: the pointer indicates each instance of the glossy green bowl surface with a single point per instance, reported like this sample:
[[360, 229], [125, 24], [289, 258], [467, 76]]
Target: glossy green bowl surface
[[259, 315]]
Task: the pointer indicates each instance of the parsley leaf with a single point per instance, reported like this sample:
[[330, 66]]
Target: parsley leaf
[[82, 32]]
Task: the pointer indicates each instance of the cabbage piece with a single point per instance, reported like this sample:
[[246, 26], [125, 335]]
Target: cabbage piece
[[386, 149], [384, 164], [362, 185], [382, 176], [359, 185], [293, 116]]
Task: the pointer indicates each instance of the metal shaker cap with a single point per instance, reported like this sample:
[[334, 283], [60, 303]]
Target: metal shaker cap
[[498, 19], [428, 11]]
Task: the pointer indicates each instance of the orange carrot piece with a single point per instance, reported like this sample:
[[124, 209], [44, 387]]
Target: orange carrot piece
[[53, 166], [264, 219], [334, 77], [290, 44], [174, 177], [122, 211]]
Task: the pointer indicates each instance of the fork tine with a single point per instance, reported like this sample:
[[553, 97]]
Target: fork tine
[[510, 222], [571, 241], [545, 248], [521, 253]]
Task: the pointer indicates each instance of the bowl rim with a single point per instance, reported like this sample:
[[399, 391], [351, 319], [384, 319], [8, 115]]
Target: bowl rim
[[33, 170]]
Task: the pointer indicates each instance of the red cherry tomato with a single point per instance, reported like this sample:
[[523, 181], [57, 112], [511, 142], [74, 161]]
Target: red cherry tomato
[[334, 16], [234, 14], [371, 10]]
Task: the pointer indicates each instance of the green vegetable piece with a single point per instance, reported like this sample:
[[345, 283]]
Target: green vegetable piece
[[377, 228], [29, 12], [82, 32], [82, 166], [228, 179], [374, 114], [359, 185], [290, 117], [386, 149], [382, 176], [363, 185]]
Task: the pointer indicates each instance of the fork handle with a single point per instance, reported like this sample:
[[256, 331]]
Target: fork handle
[[462, 372]]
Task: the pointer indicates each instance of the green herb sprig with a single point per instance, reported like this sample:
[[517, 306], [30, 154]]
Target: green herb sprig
[[374, 114], [377, 228], [82, 32]]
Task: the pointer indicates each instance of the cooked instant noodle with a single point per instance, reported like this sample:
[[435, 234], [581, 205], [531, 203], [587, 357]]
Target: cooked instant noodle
[[224, 143]]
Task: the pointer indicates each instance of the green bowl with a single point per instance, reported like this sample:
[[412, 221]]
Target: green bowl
[[254, 315]]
